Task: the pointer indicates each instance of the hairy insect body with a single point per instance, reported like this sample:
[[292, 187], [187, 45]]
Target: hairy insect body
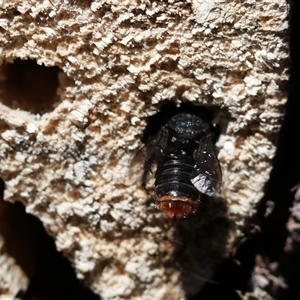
[[187, 167]]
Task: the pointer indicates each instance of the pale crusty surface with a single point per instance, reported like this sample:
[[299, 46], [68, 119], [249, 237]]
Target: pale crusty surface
[[121, 60]]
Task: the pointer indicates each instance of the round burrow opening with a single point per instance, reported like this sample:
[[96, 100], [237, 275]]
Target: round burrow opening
[[28, 86]]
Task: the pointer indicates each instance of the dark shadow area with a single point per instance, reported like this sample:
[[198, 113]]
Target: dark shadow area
[[233, 274], [28, 86], [201, 243], [51, 274]]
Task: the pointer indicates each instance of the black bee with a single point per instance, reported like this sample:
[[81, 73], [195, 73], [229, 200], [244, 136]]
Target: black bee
[[187, 165]]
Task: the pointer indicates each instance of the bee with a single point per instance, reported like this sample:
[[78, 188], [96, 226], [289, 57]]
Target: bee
[[187, 167]]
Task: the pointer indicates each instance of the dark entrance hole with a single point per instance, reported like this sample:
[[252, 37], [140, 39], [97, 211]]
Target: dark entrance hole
[[28, 86], [167, 111]]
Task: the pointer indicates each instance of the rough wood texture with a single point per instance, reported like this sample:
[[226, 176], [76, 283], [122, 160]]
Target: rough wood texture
[[66, 156]]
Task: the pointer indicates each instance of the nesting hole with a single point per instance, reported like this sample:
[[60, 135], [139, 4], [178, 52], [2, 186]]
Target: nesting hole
[[169, 109], [28, 86]]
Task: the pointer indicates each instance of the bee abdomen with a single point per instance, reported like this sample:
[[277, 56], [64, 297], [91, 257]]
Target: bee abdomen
[[174, 192], [174, 171]]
